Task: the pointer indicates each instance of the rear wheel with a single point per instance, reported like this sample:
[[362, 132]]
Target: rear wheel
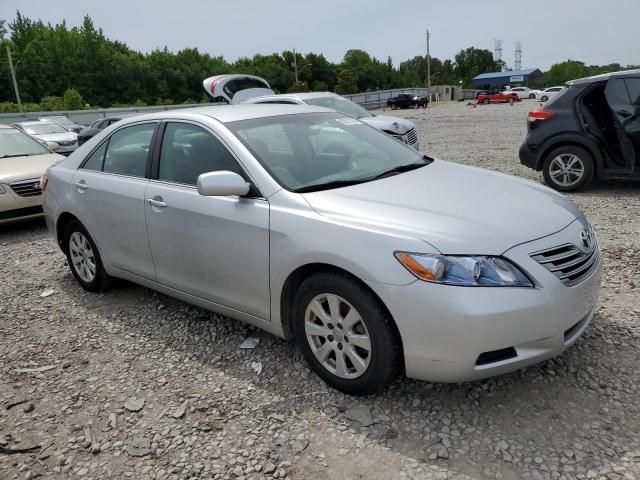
[[345, 334], [511, 101], [568, 168], [532, 96], [486, 101], [544, 98], [84, 259]]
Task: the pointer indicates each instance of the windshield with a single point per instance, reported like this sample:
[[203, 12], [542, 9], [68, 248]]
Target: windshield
[[43, 128], [339, 104], [14, 143], [318, 151], [59, 120]]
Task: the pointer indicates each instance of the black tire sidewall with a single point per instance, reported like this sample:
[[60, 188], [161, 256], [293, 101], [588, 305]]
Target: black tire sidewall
[[101, 281], [587, 160], [385, 351]]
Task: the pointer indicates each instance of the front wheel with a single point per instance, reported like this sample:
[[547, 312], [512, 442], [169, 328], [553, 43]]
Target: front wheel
[[84, 259], [345, 334], [568, 168], [486, 101], [532, 96], [544, 98]]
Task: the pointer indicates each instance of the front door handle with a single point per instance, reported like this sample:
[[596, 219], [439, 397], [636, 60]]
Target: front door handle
[[81, 186], [156, 203]]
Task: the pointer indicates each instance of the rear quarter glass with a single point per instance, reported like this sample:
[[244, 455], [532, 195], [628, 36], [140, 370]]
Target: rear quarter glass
[[556, 97]]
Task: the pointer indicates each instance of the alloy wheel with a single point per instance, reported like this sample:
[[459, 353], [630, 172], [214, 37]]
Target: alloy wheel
[[338, 336], [82, 257], [566, 169]]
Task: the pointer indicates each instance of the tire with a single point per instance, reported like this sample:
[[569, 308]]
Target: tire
[[510, 101], [330, 336], [532, 96], [544, 98], [81, 249], [486, 101], [574, 159]]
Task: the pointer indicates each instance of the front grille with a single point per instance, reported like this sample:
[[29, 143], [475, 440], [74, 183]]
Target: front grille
[[27, 188], [568, 263], [412, 136], [66, 144]]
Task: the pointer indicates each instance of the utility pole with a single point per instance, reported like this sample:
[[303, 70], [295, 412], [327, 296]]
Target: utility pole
[[428, 67], [295, 63], [13, 76]]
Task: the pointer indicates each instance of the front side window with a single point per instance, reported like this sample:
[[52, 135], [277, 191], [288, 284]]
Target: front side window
[[189, 151], [96, 159], [128, 149], [318, 151], [14, 143]]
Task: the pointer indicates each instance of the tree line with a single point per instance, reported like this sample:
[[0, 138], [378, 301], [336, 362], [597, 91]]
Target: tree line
[[60, 67]]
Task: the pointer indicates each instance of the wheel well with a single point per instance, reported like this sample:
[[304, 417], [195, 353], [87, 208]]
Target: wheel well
[[61, 226], [299, 275], [567, 143]]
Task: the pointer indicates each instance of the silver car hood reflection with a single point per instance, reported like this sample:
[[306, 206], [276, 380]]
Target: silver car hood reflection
[[455, 208]]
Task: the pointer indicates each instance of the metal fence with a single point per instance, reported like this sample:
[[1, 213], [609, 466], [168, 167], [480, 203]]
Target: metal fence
[[369, 100]]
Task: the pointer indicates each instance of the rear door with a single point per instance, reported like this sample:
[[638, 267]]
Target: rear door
[[623, 97]]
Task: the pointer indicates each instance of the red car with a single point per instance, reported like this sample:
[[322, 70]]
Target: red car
[[498, 97]]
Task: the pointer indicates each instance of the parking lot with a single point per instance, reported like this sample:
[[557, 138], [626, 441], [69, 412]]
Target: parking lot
[[134, 384]]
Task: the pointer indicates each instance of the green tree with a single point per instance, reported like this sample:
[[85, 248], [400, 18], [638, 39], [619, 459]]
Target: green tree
[[471, 62], [73, 100], [346, 82]]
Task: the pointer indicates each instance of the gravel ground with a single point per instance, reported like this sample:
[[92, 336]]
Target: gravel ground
[[133, 384]]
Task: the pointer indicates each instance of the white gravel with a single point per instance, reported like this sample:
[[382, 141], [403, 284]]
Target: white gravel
[[133, 384]]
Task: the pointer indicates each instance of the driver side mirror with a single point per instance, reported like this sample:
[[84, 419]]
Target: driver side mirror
[[223, 183]]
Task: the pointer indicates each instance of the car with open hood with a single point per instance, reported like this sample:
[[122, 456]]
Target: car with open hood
[[317, 227], [251, 89], [23, 161]]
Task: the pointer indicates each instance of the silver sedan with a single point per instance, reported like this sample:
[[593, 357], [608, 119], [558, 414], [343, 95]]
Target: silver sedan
[[317, 227]]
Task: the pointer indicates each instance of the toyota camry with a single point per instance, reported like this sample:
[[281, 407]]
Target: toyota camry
[[376, 259]]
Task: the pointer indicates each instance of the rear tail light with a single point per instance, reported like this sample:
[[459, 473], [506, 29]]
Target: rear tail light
[[44, 181], [540, 115]]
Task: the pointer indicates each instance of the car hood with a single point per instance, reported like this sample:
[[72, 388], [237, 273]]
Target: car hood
[[455, 208], [399, 126], [24, 168], [57, 137]]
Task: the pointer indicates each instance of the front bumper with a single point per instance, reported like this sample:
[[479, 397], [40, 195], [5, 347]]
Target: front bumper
[[15, 207], [454, 334]]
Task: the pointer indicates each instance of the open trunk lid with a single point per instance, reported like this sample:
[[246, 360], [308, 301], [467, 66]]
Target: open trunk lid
[[236, 88]]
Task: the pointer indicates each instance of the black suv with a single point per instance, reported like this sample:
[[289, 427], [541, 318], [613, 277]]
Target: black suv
[[589, 129]]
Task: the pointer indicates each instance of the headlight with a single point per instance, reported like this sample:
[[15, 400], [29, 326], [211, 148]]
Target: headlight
[[472, 271], [2, 190]]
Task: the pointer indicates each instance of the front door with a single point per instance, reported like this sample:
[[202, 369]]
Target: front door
[[216, 248], [623, 97], [109, 189]]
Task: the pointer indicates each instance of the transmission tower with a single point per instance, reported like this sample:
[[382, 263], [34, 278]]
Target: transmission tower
[[517, 65], [497, 56]]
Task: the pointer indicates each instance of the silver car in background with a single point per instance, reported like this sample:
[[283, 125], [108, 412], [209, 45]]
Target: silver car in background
[[314, 226], [50, 132], [239, 88]]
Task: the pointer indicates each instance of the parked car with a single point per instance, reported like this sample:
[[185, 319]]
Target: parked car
[[371, 256], [407, 100], [547, 93], [590, 129], [23, 161], [497, 97], [522, 92], [100, 124], [50, 132], [64, 122], [250, 89]]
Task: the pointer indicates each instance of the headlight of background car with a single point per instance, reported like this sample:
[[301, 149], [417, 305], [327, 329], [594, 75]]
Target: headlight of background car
[[472, 271], [2, 190]]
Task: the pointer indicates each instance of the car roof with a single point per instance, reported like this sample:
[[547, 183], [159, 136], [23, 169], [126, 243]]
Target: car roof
[[233, 113], [604, 76], [299, 96]]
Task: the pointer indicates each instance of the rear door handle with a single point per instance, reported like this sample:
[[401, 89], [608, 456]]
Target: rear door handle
[[624, 113], [156, 203]]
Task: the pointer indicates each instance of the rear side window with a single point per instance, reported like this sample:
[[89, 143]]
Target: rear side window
[[189, 151], [633, 86], [617, 88], [96, 159], [128, 150]]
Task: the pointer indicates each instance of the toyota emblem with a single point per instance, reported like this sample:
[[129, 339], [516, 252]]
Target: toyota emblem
[[586, 239]]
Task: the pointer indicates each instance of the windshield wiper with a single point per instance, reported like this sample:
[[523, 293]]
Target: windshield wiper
[[326, 186], [399, 169]]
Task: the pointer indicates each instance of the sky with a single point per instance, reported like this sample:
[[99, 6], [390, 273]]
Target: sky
[[593, 31]]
